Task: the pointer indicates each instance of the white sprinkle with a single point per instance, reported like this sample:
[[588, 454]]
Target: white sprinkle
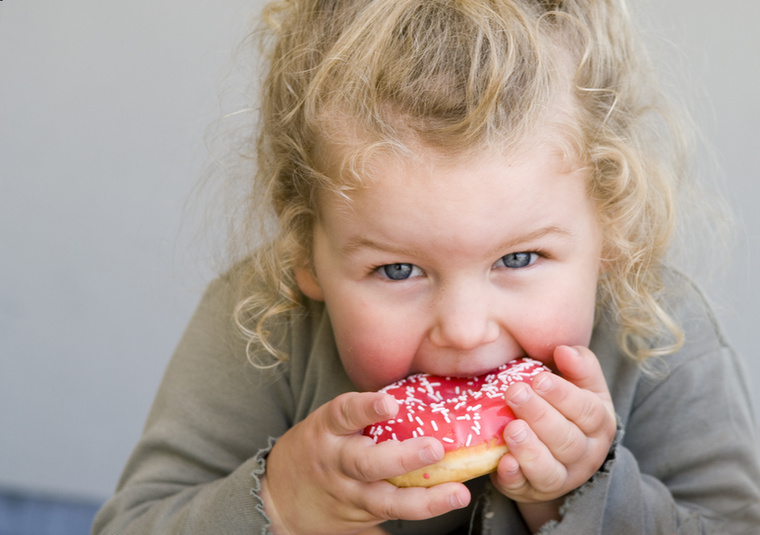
[[469, 439], [435, 425], [388, 428], [419, 420], [421, 432], [393, 436], [447, 439]]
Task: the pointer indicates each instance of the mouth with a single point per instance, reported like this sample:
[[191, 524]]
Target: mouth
[[468, 365]]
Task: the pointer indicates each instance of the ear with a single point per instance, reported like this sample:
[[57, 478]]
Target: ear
[[308, 284]]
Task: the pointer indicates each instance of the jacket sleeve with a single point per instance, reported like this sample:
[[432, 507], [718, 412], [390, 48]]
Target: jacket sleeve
[[196, 467], [686, 457], [688, 462]]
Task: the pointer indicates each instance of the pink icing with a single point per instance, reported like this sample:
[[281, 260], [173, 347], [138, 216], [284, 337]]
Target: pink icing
[[460, 412]]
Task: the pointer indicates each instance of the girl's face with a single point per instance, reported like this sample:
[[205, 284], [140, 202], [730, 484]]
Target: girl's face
[[455, 269]]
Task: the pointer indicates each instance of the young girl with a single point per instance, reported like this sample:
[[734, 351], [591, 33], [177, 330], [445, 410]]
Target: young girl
[[455, 184]]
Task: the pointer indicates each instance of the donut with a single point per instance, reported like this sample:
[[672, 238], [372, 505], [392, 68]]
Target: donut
[[467, 415]]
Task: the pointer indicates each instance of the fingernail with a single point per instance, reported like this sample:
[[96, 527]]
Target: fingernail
[[542, 383], [519, 397], [519, 436], [383, 406], [428, 455], [457, 501]]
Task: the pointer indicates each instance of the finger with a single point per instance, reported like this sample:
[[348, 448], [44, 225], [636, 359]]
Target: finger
[[562, 437], [538, 465], [508, 477], [351, 412], [375, 530], [389, 459], [589, 411], [416, 503], [581, 367]]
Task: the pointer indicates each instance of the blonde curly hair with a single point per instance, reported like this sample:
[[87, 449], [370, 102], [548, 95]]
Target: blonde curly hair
[[461, 75]]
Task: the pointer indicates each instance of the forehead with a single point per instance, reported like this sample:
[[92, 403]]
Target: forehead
[[536, 185], [351, 166]]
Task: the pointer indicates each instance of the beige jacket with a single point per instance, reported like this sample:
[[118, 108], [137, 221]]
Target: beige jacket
[[686, 458]]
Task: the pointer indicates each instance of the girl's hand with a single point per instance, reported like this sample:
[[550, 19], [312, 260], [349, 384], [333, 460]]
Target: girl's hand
[[324, 476], [564, 430]]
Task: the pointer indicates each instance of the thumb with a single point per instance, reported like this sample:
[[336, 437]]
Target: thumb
[[580, 366], [353, 411]]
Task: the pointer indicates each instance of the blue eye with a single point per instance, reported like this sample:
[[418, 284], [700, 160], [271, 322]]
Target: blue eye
[[518, 260], [397, 272]]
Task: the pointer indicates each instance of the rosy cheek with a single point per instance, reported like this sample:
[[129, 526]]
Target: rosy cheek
[[372, 363], [540, 341], [544, 355]]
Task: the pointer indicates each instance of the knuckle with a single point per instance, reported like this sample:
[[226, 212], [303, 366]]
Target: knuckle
[[405, 466], [542, 414], [363, 468], [560, 396], [570, 448], [554, 482], [436, 507], [515, 488], [591, 415], [384, 508], [341, 413]]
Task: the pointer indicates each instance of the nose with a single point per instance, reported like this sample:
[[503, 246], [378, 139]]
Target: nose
[[464, 318]]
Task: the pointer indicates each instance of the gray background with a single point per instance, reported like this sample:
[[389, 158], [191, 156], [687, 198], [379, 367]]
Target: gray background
[[104, 107]]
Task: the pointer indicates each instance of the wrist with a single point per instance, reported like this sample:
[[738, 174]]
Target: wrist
[[536, 514], [276, 527]]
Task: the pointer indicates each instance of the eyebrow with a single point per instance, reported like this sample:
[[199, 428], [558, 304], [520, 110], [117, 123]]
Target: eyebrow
[[531, 236], [357, 242]]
